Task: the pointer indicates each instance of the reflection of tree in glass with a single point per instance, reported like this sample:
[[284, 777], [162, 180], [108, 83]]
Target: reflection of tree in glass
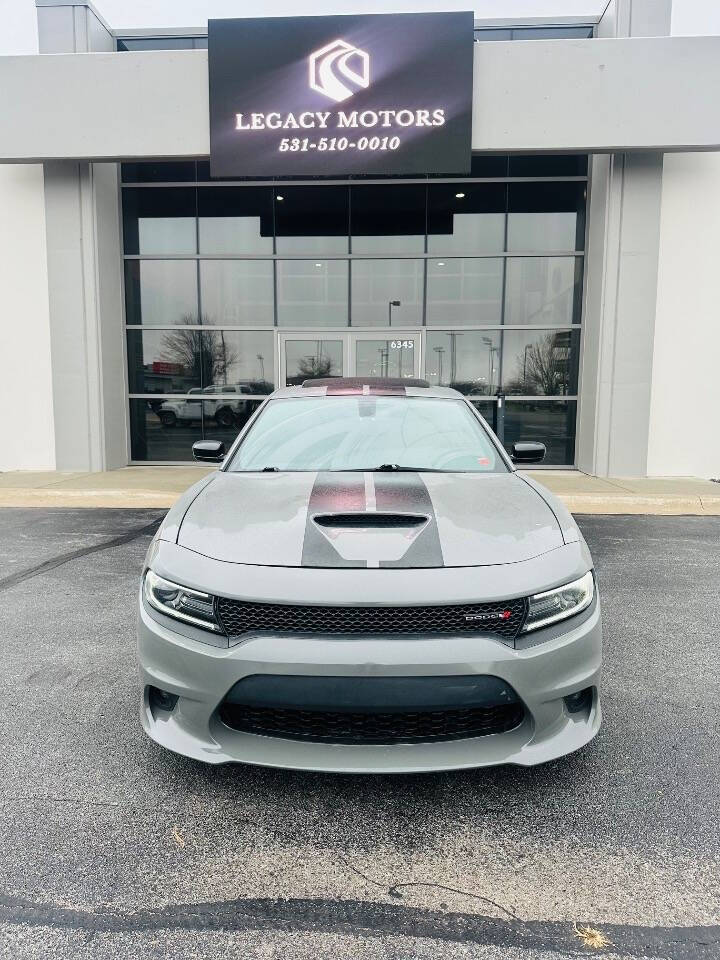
[[311, 367], [205, 354], [542, 369]]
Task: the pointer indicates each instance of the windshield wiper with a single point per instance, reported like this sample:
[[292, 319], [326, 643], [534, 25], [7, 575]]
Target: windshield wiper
[[397, 468], [383, 468]]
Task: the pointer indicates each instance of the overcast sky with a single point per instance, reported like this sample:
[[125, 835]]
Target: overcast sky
[[195, 13]]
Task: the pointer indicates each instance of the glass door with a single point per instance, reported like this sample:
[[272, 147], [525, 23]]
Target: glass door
[[307, 357], [375, 355], [304, 356]]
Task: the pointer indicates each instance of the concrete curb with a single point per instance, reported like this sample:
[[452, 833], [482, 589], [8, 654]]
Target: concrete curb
[[653, 506], [90, 499]]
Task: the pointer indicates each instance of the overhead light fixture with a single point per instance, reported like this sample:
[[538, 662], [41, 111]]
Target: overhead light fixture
[[279, 196], [459, 196], [318, 264], [441, 263]]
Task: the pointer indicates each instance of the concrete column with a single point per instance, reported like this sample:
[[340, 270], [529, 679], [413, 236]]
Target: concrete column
[[84, 277], [621, 286], [685, 400], [27, 439], [621, 292]]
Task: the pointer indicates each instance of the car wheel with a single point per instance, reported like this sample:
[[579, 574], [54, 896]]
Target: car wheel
[[167, 418], [224, 417]]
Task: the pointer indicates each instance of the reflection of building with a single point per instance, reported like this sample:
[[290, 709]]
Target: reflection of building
[[163, 377], [507, 282]]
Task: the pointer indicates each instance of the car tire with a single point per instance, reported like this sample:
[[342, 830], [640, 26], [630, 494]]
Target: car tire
[[167, 418], [224, 417]]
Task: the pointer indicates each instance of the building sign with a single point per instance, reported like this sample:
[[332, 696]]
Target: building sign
[[169, 369], [339, 95]]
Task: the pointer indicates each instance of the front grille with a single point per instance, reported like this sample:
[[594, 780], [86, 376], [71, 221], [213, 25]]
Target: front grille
[[372, 728], [240, 617]]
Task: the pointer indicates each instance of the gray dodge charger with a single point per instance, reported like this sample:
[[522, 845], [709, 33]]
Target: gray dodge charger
[[367, 584]]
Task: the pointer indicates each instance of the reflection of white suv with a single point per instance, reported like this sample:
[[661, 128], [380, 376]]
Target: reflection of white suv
[[186, 409]]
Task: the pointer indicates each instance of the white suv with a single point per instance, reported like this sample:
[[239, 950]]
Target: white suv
[[225, 412]]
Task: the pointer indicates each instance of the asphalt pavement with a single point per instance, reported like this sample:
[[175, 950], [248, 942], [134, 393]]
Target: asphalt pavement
[[112, 847]]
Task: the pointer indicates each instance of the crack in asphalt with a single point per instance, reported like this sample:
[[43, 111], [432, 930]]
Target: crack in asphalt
[[62, 558], [393, 890], [368, 918]]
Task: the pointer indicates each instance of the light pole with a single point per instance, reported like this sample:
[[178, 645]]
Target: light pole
[[384, 360], [261, 358], [488, 341], [453, 357], [224, 359], [527, 347], [391, 304], [440, 351]]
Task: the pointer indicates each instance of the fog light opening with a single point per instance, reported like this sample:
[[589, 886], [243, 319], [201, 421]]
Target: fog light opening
[[161, 700], [580, 701]]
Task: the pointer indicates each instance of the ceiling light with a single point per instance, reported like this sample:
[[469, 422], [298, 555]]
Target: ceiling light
[[279, 196], [460, 195], [318, 264], [441, 263]]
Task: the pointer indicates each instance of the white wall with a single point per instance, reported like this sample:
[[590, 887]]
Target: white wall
[[684, 433], [27, 436]]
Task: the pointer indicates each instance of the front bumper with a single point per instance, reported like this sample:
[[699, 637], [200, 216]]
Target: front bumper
[[556, 665]]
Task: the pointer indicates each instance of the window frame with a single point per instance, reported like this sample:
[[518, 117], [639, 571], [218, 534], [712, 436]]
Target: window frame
[[198, 182]]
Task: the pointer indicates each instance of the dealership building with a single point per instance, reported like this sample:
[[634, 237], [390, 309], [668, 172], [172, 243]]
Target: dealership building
[[565, 281]]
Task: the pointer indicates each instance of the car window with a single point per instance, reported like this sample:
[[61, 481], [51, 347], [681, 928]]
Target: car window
[[363, 433]]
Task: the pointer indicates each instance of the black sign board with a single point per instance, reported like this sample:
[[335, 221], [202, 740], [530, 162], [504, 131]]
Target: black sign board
[[340, 95]]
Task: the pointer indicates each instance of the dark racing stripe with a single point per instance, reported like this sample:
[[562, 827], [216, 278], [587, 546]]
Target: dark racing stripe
[[407, 493], [371, 493], [332, 493]]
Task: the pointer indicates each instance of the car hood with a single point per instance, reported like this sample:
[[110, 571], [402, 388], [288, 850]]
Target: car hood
[[365, 520]]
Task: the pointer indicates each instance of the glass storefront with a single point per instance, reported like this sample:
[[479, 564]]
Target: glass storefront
[[233, 288]]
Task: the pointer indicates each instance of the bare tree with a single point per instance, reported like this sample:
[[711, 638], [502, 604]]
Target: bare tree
[[312, 367], [542, 369], [205, 355]]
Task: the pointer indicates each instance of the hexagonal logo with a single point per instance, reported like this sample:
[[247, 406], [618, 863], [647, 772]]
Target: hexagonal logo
[[338, 67]]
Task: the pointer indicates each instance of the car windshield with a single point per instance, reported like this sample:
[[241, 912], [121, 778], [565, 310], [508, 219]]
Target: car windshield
[[367, 433]]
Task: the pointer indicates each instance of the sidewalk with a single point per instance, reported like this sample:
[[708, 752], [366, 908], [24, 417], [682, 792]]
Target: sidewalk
[[159, 487]]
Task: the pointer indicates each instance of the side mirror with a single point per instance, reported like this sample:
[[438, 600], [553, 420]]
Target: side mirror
[[528, 452], [209, 451]]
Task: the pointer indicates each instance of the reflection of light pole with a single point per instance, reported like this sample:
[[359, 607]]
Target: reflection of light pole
[[224, 358], [488, 341], [391, 304], [527, 347], [261, 358], [453, 356], [440, 351], [384, 357]]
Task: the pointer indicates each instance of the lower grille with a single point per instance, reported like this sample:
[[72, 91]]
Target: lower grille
[[503, 619], [372, 728]]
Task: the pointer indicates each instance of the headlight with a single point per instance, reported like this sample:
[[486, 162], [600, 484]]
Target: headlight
[[181, 603], [554, 605]]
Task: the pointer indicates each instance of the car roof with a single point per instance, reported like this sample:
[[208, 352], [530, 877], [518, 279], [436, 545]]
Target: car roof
[[366, 386]]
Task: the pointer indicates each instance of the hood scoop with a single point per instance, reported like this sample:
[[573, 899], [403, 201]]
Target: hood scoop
[[370, 521], [370, 536]]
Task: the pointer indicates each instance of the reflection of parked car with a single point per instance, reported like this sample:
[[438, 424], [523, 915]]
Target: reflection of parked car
[[226, 413]]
